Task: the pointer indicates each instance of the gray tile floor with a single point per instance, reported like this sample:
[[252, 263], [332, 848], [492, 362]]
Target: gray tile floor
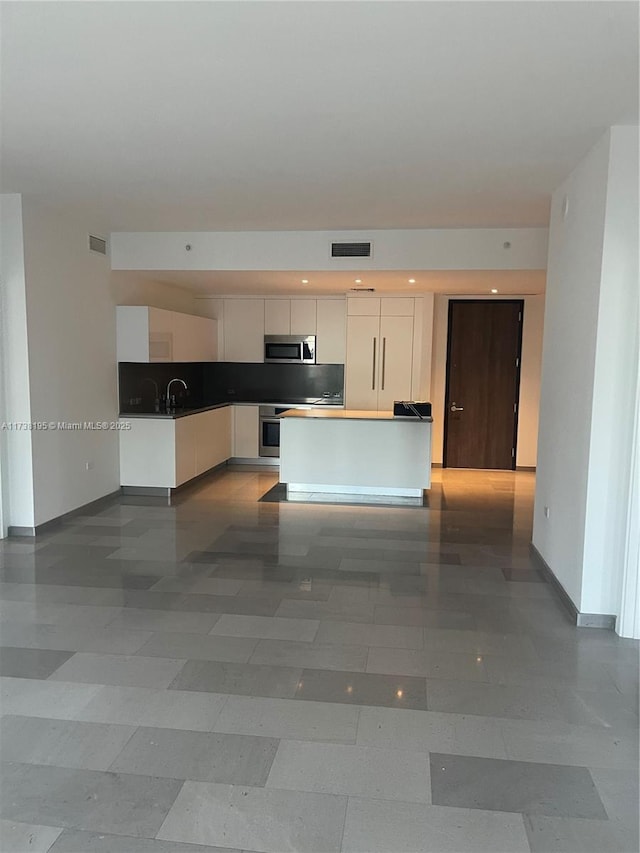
[[225, 674]]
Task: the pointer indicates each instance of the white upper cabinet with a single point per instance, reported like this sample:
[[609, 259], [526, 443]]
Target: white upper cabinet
[[132, 333], [290, 316], [194, 338], [303, 316], [331, 331], [367, 306], [244, 330], [185, 342], [277, 316], [161, 335], [146, 334], [397, 306], [206, 331], [247, 321]]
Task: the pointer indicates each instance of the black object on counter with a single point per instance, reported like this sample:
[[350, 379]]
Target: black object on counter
[[411, 409]]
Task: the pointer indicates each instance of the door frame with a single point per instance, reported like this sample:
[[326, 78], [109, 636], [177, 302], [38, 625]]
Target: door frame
[[520, 302]]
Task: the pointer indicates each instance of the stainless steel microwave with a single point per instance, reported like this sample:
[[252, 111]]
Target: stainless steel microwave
[[290, 349]]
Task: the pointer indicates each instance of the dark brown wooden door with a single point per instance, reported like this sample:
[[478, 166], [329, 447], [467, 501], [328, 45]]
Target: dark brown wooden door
[[483, 379]]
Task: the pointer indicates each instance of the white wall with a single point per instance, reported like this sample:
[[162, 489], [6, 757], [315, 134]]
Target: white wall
[[568, 357], [59, 360], [589, 366], [129, 288], [616, 367], [71, 338], [453, 248], [529, 375], [15, 445], [71, 298]]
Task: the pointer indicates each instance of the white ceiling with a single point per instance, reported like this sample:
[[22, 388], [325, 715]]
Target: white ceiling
[[310, 115], [289, 283]]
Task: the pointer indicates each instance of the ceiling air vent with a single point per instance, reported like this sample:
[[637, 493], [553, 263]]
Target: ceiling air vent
[[351, 250], [97, 244], [363, 289]]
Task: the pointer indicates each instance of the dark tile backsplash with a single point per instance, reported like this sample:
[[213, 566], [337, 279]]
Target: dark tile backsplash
[[271, 382], [141, 384], [221, 382]]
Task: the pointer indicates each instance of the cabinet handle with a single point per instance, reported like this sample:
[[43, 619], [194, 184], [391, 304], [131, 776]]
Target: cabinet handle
[[384, 359], [373, 367]]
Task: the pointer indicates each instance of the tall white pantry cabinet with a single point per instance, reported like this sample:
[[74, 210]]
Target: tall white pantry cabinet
[[381, 333]]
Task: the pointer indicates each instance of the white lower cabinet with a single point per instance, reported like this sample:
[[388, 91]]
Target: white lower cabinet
[[148, 452], [212, 438], [185, 445], [167, 452], [246, 432]]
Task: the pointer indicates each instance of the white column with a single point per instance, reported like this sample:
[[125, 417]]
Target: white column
[[16, 464], [590, 371], [628, 624]]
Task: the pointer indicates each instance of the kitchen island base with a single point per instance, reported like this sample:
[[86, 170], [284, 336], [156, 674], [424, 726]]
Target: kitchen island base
[[354, 453]]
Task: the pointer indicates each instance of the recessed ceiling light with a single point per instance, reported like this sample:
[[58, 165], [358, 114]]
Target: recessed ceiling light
[[358, 280], [412, 281], [305, 281], [493, 290]]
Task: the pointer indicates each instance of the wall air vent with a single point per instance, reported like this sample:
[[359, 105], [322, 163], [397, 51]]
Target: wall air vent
[[351, 250], [97, 244]]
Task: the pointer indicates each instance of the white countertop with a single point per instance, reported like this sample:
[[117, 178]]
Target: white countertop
[[350, 415]]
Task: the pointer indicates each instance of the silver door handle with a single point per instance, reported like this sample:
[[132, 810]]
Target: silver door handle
[[384, 359], [373, 367], [455, 408]]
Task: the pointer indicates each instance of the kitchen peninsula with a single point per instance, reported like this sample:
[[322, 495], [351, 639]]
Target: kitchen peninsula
[[355, 452], [161, 451], [216, 415]]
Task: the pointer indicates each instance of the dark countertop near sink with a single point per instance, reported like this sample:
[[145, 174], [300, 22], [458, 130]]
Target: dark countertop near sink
[[175, 413], [183, 413]]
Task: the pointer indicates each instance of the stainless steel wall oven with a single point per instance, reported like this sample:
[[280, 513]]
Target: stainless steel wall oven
[[270, 429]]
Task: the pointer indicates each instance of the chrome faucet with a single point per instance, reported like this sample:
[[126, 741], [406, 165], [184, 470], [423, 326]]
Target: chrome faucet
[[170, 383]]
